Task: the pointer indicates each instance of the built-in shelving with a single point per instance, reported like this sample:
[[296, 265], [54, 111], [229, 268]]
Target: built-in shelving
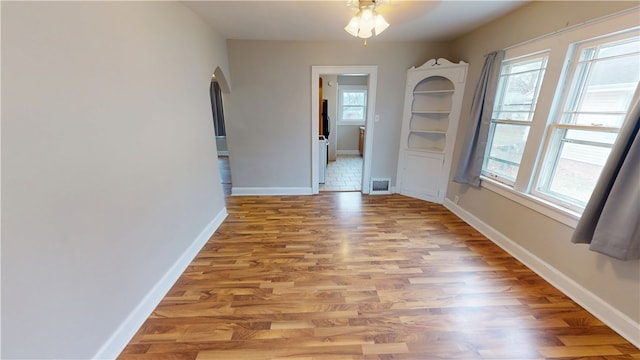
[[432, 107]]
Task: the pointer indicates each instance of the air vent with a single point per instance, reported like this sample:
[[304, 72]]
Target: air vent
[[380, 186]]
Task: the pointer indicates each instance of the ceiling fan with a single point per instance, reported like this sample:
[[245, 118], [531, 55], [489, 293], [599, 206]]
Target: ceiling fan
[[367, 20]]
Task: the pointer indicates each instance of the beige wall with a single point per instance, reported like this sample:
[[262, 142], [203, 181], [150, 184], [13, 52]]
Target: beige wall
[[109, 171], [348, 137], [615, 282], [267, 113]]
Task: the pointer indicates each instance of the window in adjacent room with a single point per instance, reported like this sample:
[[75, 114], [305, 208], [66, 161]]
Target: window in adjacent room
[[352, 104]]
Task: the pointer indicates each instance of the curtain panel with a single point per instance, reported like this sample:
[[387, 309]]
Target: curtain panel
[[475, 140], [610, 222]]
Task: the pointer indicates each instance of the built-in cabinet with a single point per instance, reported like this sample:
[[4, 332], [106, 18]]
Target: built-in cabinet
[[433, 98]]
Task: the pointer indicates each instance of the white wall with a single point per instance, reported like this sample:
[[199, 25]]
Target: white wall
[[109, 169], [615, 284], [269, 108]]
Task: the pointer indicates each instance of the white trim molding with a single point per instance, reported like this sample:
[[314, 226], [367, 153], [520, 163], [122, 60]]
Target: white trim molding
[[128, 328], [619, 322], [348, 152], [262, 191]]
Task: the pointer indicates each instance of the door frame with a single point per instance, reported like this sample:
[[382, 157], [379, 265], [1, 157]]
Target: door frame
[[316, 72]]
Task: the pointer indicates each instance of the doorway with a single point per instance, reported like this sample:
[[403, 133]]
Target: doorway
[[346, 95], [216, 87], [316, 72]]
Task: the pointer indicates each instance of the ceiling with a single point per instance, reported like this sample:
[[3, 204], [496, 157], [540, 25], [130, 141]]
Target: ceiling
[[313, 20]]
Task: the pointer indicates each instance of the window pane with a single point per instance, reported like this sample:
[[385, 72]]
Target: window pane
[[353, 98], [353, 113], [591, 136], [519, 91], [577, 171], [506, 149], [604, 76], [603, 85], [518, 88], [502, 169], [352, 104], [621, 48]]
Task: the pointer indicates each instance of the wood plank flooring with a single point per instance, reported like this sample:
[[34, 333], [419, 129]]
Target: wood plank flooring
[[350, 276]]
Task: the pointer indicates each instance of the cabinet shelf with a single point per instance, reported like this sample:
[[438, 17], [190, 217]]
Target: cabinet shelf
[[433, 150], [429, 122], [431, 101], [443, 132], [433, 92], [426, 141], [430, 111]]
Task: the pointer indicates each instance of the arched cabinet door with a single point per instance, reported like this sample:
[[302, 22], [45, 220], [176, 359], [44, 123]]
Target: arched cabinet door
[[433, 98]]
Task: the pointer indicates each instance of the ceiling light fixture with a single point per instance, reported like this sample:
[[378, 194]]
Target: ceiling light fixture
[[366, 21]]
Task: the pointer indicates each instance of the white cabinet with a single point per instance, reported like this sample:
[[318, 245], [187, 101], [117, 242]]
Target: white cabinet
[[433, 98]]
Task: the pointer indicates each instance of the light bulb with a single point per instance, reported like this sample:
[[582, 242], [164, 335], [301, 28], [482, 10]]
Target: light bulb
[[352, 27], [380, 24]]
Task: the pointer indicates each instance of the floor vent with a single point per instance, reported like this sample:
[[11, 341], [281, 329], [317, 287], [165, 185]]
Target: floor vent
[[380, 186]]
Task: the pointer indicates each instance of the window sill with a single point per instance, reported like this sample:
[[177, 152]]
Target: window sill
[[550, 210]]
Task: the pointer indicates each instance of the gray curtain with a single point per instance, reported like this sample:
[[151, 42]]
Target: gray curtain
[[475, 140], [611, 220]]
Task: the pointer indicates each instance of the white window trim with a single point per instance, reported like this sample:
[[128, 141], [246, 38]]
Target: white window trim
[[557, 43], [342, 88]]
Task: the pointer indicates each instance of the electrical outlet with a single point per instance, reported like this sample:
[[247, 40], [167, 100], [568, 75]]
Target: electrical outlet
[[456, 199]]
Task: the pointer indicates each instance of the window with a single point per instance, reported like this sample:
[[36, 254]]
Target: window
[[561, 100], [352, 106], [216, 107], [604, 75], [518, 89]]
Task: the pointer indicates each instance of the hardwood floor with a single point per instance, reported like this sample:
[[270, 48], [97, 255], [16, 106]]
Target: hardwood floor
[[350, 276]]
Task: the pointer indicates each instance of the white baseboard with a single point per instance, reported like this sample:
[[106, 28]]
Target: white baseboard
[[348, 152], [125, 332], [255, 191], [619, 322]]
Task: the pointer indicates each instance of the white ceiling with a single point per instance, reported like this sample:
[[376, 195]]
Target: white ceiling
[[313, 20]]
